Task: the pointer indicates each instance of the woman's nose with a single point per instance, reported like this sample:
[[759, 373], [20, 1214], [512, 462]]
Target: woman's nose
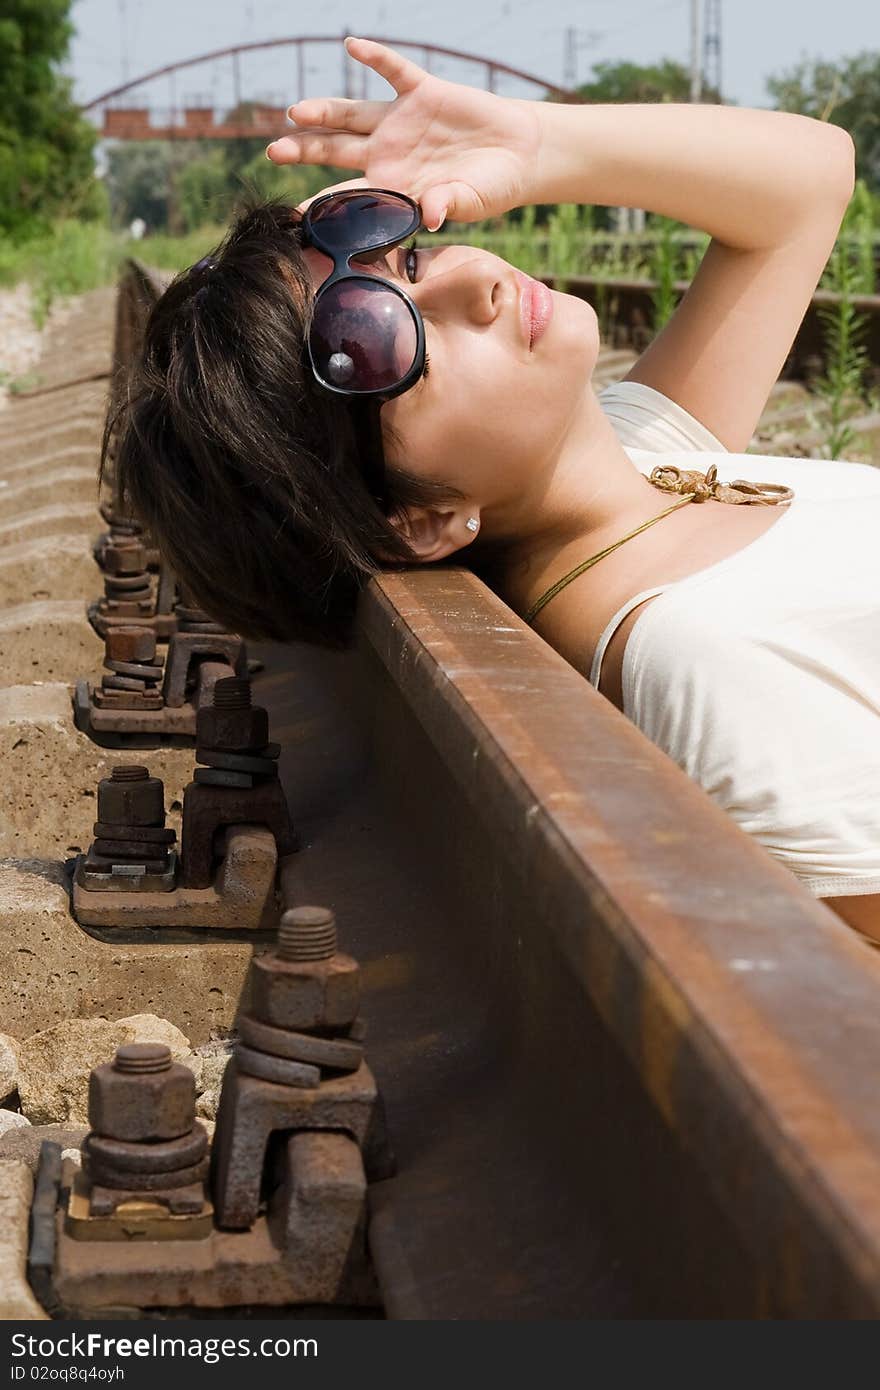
[[472, 289]]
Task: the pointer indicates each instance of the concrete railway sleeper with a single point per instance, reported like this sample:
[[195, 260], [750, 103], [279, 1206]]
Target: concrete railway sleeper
[[628, 1063]]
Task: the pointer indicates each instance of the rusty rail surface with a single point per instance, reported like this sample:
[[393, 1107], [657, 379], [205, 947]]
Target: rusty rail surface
[[629, 1063], [139, 288], [607, 910]]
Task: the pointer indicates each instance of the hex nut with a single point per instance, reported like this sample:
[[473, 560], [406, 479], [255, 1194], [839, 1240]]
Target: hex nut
[[131, 803], [125, 559], [304, 994], [236, 730], [130, 644], [138, 1108]]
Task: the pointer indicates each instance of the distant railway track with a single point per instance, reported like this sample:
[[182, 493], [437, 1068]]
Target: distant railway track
[[628, 1063], [626, 310]]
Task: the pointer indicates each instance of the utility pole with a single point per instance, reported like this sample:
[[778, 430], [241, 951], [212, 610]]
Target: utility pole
[[346, 68], [712, 47], [574, 40], [696, 51]]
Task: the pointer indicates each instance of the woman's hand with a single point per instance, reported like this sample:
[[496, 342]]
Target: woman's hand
[[459, 152]]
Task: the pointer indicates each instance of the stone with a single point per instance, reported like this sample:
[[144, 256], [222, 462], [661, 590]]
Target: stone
[[42, 488], [47, 639], [76, 441], [53, 772], [23, 415], [213, 1056], [51, 969], [140, 1028], [206, 1105], [57, 518], [17, 1302], [33, 571], [23, 1145], [56, 1063], [11, 1119], [9, 1049]]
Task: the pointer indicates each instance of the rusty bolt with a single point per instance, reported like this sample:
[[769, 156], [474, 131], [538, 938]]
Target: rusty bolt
[[130, 644], [231, 723], [307, 933], [142, 1095], [125, 558], [131, 797], [305, 982]]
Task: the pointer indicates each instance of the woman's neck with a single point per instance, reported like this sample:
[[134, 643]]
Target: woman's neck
[[587, 498]]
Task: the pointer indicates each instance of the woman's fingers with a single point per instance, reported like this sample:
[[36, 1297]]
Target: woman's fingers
[[387, 62], [339, 113], [320, 147]]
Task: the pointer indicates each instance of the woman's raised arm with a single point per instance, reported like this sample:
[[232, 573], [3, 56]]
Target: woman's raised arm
[[745, 176], [770, 187]]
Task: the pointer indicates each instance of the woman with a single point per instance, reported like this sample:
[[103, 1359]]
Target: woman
[[275, 491]]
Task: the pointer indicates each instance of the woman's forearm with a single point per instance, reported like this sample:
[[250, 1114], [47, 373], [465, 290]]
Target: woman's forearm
[[747, 177]]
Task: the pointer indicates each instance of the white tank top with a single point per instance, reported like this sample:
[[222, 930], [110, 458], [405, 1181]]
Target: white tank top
[[760, 675]]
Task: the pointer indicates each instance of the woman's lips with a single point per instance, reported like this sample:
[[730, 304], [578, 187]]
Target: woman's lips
[[542, 309], [536, 307]]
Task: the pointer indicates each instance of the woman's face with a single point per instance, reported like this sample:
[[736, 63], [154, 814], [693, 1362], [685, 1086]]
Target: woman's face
[[490, 410]]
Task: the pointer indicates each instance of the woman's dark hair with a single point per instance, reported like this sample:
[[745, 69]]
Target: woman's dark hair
[[242, 471]]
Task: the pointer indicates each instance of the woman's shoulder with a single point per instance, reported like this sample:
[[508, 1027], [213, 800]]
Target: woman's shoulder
[[643, 418]]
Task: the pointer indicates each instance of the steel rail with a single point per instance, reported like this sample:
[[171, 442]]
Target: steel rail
[[747, 1011], [629, 1063]]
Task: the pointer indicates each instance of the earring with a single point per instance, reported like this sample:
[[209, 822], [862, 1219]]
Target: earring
[[472, 524]]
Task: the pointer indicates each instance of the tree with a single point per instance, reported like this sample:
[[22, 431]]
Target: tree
[[202, 189], [46, 145], [139, 181], [631, 82], [846, 93], [181, 185]]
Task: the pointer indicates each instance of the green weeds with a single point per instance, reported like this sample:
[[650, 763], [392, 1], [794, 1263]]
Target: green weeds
[[663, 265], [79, 256], [72, 258], [568, 244], [850, 272]]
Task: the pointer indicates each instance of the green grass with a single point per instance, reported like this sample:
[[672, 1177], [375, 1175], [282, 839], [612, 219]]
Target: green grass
[[73, 258], [80, 256], [175, 252]]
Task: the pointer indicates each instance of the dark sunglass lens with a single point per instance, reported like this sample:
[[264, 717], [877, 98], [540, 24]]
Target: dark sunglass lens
[[362, 220], [363, 336]]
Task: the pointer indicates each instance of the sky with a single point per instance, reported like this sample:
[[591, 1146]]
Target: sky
[[119, 39]]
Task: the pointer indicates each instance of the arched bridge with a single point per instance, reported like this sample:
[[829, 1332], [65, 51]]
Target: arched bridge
[[259, 118]]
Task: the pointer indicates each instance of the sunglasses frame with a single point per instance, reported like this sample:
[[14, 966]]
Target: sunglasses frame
[[342, 271]]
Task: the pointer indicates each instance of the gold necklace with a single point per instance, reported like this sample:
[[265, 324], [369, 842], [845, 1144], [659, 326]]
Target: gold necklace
[[696, 487]]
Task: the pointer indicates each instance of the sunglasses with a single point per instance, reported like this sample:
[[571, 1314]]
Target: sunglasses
[[366, 339]]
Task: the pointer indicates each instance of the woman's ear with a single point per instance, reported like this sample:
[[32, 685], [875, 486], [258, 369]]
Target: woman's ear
[[433, 533]]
